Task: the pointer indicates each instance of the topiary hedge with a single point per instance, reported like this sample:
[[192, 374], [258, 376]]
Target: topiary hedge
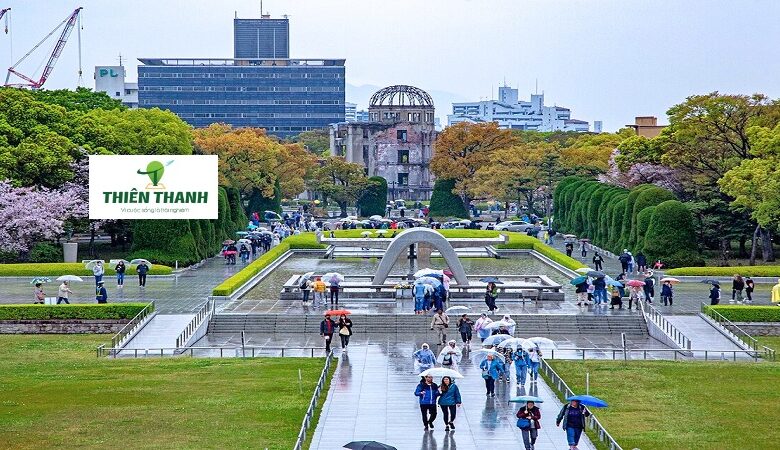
[[738, 313], [444, 203], [110, 311], [650, 196], [374, 198], [671, 237], [164, 242], [745, 271], [642, 224], [57, 269]]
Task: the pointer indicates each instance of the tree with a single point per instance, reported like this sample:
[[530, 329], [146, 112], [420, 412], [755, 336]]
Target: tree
[[316, 142], [164, 241], [444, 202], [670, 236], [462, 149], [374, 197], [259, 203], [650, 196], [82, 99], [339, 180]]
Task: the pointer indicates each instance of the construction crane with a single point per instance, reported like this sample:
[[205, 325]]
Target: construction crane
[[69, 23], [3, 12]]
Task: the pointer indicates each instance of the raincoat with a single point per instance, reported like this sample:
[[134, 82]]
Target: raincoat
[[424, 359], [479, 327], [454, 353], [776, 293]]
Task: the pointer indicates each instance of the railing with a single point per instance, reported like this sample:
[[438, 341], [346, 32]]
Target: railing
[[196, 321], [616, 353], [657, 318], [131, 326], [313, 403], [738, 333], [593, 422], [224, 352]]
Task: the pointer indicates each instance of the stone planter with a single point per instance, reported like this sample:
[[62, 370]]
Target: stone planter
[[403, 293]]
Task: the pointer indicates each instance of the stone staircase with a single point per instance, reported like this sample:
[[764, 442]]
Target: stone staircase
[[537, 324]]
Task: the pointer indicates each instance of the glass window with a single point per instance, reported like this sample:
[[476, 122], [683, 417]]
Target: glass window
[[403, 179], [403, 156], [401, 135]]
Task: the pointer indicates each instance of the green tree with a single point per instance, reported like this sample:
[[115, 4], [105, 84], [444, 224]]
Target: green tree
[[651, 196], [670, 236], [316, 142], [340, 181], [374, 197], [444, 202], [642, 224], [164, 241], [259, 203], [82, 99]]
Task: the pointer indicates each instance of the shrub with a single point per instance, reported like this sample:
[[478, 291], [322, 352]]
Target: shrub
[[625, 224], [57, 269], [444, 202], [258, 203], [237, 215], [559, 203], [671, 237], [642, 224], [651, 196], [745, 271], [110, 311], [592, 212], [737, 313], [44, 252], [615, 224], [224, 224], [374, 198], [164, 241]]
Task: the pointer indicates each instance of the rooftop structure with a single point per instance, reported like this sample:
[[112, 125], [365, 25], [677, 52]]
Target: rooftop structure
[[261, 38], [647, 126]]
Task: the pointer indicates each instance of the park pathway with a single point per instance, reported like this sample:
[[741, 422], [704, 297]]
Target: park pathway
[[372, 398], [704, 336], [160, 332]]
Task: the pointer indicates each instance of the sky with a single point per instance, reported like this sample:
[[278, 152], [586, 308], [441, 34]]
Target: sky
[[607, 60]]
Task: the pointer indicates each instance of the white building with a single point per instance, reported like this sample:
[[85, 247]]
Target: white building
[[510, 112], [111, 80], [350, 109], [597, 126]]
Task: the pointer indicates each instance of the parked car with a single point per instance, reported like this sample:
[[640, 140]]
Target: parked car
[[513, 225]]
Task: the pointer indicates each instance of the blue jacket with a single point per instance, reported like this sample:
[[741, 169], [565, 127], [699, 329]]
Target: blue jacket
[[451, 397], [599, 283], [521, 358], [666, 290], [424, 357], [427, 394], [494, 368], [419, 290]]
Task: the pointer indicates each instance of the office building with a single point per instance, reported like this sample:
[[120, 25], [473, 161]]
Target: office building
[[510, 112], [261, 38], [647, 126], [350, 111], [284, 96], [396, 143], [111, 80], [597, 126]]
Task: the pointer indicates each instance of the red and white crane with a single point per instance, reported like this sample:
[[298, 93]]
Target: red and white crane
[[68, 23]]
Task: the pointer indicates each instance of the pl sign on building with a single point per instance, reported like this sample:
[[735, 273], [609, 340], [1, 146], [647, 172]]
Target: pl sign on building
[[153, 187]]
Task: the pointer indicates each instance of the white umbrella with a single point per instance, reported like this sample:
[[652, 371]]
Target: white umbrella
[[92, 263], [307, 275], [138, 261], [375, 217], [381, 231], [513, 343], [477, 356], [245, 241], [112, 264], [330, 276], [541, 342], [497, 324], [69, 278], [427, 271], [440, 372], [457, 309], [365, 234], [496, 339], [583, 270]]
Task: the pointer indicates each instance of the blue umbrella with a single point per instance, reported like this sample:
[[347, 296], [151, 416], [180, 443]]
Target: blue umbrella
[[526, 398], [588, 400], [491, 280], [429, 281], [578, 280], [612, 282]]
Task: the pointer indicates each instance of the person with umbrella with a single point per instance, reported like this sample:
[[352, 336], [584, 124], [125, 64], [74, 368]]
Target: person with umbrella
[[424, 358], [535, 360], [634, 289], [40, 296], [528, 418], [449, 401], [305, 287], [649, 287], [491, 294], [641, 262], [624, 258], [584, 248], [481, 327], [98, 271], [600, 291], [63, 292], [419, 298], [142, 270], [572, 416], [667, 294], [521, 360], [101, 295], [345, 331], [569, 248], [465, 327], [334, 291], [617, 299], [440, 323], [428, 392], [450, 355], [510, 323], [598, 261], [715, 294], [491, 370], [327, 327], [582, 291], [120, 269]]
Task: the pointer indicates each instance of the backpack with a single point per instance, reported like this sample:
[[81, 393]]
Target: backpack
[[447, 360]]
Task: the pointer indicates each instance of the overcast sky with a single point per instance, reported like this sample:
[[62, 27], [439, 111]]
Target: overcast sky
[[605, 59]]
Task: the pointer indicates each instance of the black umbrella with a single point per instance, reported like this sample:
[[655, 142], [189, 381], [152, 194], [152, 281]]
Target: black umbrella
[[369, 445], [596, 274], [491, 280]]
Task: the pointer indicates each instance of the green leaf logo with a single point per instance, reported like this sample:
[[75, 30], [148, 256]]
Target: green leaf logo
[[154, 170]]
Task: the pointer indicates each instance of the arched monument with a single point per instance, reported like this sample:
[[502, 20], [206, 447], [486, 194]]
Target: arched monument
[[416, 236]]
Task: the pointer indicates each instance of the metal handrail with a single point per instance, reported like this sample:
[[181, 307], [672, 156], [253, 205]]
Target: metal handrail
[[593, 422], [751, 342], [246, 351], [194, 324], [623, 353], [313, 403], [129, 327], [657, 318]]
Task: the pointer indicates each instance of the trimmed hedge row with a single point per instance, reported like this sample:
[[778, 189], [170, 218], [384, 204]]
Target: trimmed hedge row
[[57, 269], [110, 311], [297, 242], [645, 219], [737, 313], [751, 271], [444, 203]]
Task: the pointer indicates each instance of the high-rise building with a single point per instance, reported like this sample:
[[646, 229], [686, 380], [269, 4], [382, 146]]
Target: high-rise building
[[350, 111], [261, 38], [510, 112], [111, 80], [284, 96], [597, 126]]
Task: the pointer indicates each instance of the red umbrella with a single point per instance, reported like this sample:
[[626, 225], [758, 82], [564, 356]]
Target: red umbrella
[[448, 272], [338, 312], [636, 283]]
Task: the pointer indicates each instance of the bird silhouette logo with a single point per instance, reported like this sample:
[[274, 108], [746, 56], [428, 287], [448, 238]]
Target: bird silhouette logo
[[155, 171]]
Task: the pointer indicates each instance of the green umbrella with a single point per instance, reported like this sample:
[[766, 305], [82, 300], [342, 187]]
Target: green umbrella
[[526, 398], [37, 280]]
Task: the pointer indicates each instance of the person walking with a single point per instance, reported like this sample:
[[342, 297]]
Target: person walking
[[528, 418], [649, 287], [120, 270], [572, 416], [63, 292], [521, 361], [98, 271], [327, 327], [583, 249], [641, 262], [624, 258], [40, 296], [535, 360], [667, 293], [715, 294], [491, 294], [598, 261], [440, 323], [345, 331], [419, 298], [319, 292], [491, 370], [630, 263], [465, 327], [749, 288], [737, 286], [449, 402], [424, 358], [305, 288], [481, 327], [600, 291], [582, 293], [617, 300], [334, 292], [450, 356], [569, 248], [428, 392], [101, 295], [634, 296], [142, 270]]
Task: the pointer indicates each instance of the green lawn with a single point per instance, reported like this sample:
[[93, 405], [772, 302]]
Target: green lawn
[[772, 342], [683, 405], [54, 393]]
